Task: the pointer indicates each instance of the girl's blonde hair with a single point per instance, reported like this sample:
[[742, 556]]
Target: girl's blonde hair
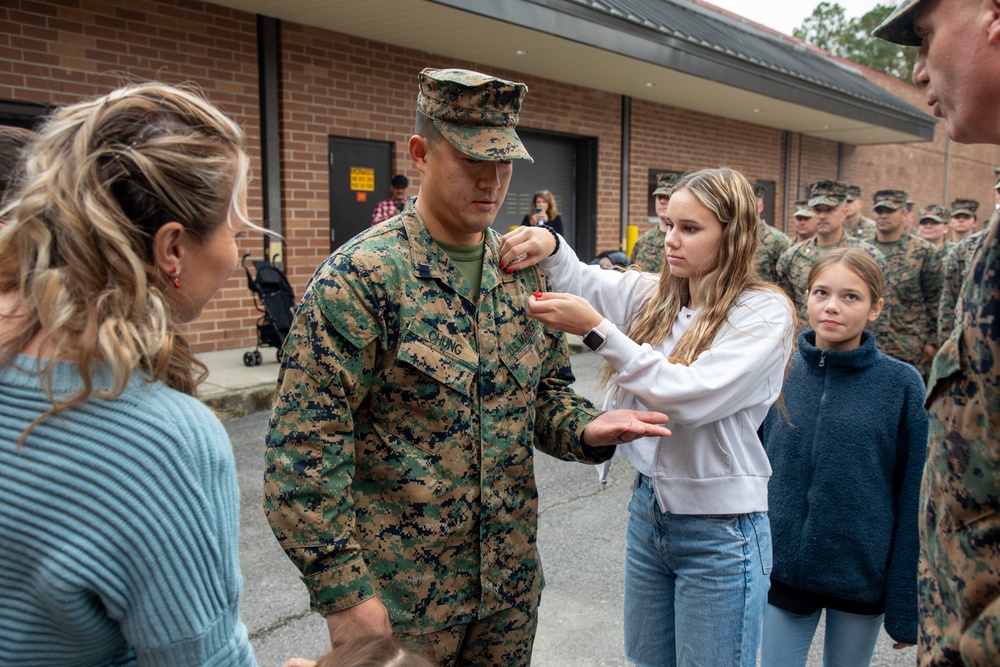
[[858, 261], [732, 269], [77, 251], [550, 198]]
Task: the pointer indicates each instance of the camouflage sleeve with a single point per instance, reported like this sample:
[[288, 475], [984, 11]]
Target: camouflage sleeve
[[637, 249], [766, 260], [780, 245], [951, 284], [911, 451], [782, 276], [882, 328], [309, 460], [561, 414], [931, 282]]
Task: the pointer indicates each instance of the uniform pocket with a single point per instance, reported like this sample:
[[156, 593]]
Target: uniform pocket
[[425, 398], [523, 358]]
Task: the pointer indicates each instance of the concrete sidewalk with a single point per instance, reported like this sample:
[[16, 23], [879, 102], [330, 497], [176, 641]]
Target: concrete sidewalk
[[236, 390]]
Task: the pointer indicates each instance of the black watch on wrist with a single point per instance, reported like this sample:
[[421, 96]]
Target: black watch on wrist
[[594, 340]]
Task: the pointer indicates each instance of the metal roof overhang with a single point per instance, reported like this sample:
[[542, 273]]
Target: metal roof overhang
[[567, 42]]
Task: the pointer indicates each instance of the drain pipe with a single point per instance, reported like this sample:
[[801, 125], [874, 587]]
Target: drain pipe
[[788, 181], [625, 170], [268, 63]]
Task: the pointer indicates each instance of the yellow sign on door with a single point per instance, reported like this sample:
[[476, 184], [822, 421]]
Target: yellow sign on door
[[362, 179]]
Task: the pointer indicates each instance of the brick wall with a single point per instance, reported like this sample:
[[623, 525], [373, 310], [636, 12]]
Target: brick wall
[[934, 172], [57, 52], [682, 140], [334, 84]]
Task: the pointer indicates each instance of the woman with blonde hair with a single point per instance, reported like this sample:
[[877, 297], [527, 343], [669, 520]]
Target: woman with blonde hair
[[544, 211], [706, 342], [119, 507]]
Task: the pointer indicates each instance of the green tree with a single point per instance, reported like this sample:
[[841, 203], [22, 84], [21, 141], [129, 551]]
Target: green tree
[[829, 29]]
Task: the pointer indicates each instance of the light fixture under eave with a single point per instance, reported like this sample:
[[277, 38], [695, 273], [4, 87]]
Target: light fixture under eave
[[522, 52], [756, 110], [651, 84]]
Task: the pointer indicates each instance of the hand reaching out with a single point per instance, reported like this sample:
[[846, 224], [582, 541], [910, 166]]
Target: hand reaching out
[[616, 427]]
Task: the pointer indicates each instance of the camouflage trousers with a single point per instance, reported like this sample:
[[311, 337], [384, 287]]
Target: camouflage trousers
[[504, 639]]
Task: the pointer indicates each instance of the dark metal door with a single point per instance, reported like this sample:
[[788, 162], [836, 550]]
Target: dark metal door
[[359, 178]]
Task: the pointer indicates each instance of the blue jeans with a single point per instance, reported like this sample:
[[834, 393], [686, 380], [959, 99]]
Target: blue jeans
[[695, 585], [849, 638]]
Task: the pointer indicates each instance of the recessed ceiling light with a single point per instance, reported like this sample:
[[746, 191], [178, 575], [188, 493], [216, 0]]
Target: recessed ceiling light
[[650, 84], [756, 110], [522, 52]]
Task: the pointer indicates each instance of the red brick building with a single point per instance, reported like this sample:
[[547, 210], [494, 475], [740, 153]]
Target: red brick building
[[612, 101]]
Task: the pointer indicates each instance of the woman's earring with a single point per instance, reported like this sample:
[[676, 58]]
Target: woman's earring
[[177, 278]]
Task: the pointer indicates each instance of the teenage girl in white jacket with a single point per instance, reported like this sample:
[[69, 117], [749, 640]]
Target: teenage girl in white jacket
[[706, 342]]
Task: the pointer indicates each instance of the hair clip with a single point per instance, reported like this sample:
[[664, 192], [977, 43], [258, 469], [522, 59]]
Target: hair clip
[[114, 155]]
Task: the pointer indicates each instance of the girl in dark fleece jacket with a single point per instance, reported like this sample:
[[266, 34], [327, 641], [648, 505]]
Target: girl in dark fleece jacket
[[847, 460]]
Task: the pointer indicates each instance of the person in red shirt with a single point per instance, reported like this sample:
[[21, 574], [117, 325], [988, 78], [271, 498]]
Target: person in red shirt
[[387, 208]]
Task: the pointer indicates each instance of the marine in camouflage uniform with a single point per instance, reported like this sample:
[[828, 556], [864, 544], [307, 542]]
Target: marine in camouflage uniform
[[934, 218], [963, 213], [954, 267], [859, 227], [648, 252], [793, 266], [399, 451], [771, 243], [959, 585], [805, 229], [913, 277]]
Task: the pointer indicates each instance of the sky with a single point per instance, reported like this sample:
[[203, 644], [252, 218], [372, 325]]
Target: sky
[[785, 15]]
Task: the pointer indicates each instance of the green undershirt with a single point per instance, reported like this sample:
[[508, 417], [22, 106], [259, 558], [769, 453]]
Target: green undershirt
[[469, 260]]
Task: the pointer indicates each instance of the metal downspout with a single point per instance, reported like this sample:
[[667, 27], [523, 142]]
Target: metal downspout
[[625, 168], [269, 68]]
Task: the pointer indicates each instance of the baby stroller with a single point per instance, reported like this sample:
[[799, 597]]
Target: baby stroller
[[273, 296]]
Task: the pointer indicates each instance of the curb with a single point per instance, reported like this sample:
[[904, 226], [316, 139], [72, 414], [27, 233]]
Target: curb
[[240, 402]]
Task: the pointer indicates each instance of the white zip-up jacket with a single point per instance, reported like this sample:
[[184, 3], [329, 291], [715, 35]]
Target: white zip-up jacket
[[714, 462]]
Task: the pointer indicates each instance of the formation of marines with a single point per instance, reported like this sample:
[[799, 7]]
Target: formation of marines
[[924, 253]]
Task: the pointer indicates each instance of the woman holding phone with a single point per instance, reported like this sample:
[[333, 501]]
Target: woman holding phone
[[544, 212]]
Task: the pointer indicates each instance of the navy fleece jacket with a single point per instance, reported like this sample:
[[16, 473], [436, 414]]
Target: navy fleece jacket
[[846, 476]]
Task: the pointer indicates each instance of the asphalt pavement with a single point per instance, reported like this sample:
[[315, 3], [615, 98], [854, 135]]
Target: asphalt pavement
[[581, 537]]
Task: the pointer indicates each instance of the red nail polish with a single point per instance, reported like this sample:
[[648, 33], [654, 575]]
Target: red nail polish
[[536, 294]]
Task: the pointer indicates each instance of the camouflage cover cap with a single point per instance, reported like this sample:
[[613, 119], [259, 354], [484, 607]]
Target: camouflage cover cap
[[665, 184], [894, 199], [996, 172], [909, 205], [827, 193], [853, 192], [802, 209], [935, 212], [898, 27], [966, 206], [758, 190], [475, 112]]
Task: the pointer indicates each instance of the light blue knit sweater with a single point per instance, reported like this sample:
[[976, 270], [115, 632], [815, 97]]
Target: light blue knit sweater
[[119, 525]]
